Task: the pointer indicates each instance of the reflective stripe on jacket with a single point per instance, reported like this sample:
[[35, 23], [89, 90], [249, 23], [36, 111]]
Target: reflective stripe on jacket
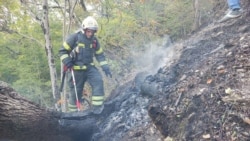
[[81, 50]]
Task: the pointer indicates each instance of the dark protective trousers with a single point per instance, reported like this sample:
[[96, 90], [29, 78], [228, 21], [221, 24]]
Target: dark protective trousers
[[92, 76]]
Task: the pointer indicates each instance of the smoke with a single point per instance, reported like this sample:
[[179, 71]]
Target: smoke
[[154, 55]]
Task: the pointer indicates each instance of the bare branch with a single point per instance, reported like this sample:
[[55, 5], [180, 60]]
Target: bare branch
[[83, 5], [71, 14], [30, 38], [61, 7]]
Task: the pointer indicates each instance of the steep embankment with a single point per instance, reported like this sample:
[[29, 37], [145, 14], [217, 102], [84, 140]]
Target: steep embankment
[[210, 95]]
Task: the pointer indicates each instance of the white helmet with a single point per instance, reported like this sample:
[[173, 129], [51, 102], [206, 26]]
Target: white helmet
[[90, 23]]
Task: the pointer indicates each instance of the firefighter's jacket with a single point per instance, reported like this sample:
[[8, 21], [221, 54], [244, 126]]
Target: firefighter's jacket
[[81, 50]]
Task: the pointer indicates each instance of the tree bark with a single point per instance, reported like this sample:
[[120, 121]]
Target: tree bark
[[196, 7], [49, 51], [22, 120]]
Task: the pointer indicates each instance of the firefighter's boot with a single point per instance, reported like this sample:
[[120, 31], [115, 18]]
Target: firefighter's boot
[[97, 109]]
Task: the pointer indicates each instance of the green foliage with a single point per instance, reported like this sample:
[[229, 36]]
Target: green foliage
[[7, 71], [23, 58], [123, 24], [178, 18], [25, 67]]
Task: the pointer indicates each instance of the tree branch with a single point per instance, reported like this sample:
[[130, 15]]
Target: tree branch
[[83, 5]]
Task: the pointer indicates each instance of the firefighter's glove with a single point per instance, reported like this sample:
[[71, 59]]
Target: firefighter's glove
[[107, 71], [65, 68], [68, 65]]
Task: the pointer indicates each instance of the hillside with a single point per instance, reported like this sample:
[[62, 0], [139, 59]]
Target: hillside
[[202, 93], [209, 95]]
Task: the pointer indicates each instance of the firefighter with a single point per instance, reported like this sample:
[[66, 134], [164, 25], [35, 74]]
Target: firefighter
[[77, 54]]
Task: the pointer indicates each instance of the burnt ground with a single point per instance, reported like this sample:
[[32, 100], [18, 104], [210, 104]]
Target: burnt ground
[[203, 95], [210, 97]]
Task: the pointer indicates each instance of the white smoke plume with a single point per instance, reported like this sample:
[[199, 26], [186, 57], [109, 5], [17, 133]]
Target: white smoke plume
[[154, 55]]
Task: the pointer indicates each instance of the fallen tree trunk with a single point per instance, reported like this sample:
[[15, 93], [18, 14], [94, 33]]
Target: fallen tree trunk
[[22, 120]]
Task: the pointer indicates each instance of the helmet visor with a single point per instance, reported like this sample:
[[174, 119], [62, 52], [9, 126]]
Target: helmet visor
[[92, 28], [90, 31]]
